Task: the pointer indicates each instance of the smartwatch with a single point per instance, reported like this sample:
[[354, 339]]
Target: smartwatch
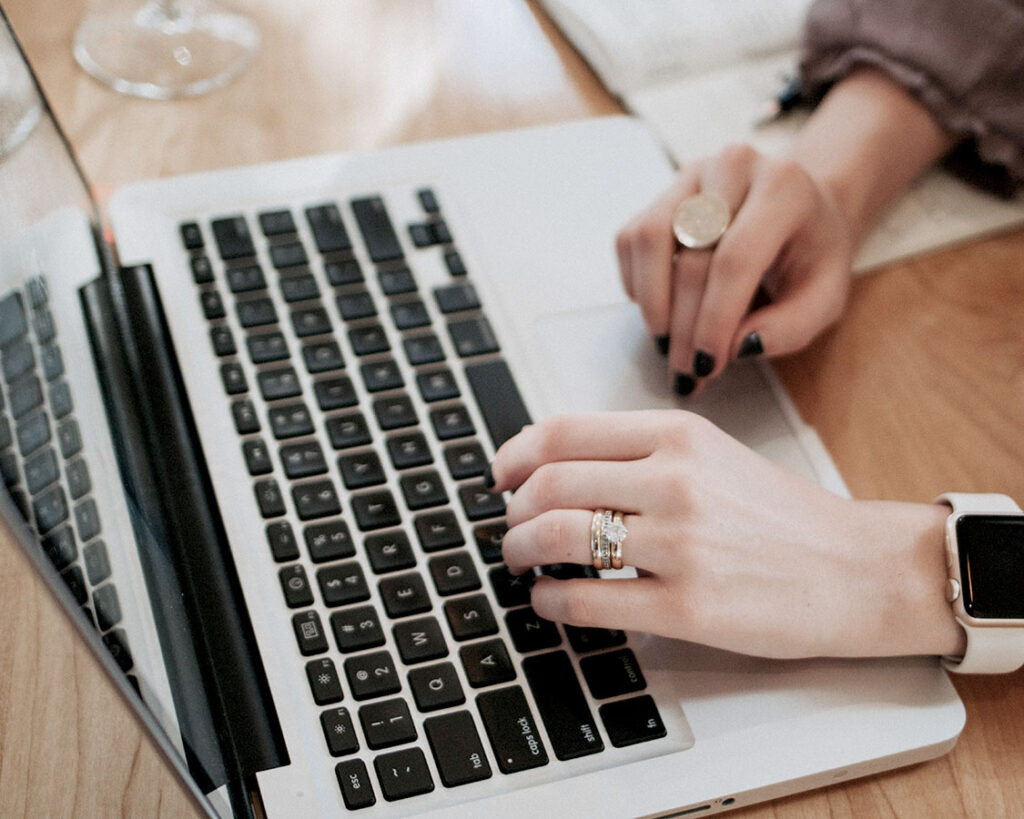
[[985, 560]]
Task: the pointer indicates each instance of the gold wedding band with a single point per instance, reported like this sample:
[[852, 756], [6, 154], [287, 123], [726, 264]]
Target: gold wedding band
[[598, 546], [700, 220]]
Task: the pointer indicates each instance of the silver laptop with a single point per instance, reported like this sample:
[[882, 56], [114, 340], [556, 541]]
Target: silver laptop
[[243, 440]]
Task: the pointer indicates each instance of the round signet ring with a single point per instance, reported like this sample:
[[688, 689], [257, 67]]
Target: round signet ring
[[700, 220]]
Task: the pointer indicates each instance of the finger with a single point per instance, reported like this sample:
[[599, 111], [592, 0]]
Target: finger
[[620, 603], [587, 485], [563, 536], [652, 247], [750, 246], [796, 318], [606, 436]]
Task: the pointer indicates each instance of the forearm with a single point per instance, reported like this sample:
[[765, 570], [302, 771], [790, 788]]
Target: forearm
[[866, 142]]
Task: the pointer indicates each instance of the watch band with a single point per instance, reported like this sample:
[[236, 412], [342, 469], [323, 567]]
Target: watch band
[[990, 649]]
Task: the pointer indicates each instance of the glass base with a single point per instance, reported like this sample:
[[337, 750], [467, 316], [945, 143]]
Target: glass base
[[167, 49]]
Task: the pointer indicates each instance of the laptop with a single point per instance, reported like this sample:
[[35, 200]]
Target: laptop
[[243, 429]]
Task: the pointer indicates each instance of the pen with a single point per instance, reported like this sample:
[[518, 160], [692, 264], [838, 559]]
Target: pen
[[788, 97]]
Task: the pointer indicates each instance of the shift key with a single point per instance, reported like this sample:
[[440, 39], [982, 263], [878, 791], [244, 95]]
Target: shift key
[[562, 706], [511, 729]]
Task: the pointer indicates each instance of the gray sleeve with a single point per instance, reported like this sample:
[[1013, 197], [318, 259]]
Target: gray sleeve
[[962, 59]]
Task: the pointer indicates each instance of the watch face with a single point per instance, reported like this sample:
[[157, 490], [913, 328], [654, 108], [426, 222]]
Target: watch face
[[991, 551]]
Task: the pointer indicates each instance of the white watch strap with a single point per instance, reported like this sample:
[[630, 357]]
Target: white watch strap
[[990, 649]]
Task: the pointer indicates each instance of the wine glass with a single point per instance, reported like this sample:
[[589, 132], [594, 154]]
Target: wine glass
[[162, 49]]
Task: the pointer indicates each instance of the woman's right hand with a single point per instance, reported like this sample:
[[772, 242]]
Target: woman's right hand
[[787, 237]]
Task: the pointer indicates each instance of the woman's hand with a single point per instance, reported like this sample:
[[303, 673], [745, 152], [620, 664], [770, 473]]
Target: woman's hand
[[787, 237], [732, 551]]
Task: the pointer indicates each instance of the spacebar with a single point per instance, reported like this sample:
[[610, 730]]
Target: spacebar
[[498, 398]]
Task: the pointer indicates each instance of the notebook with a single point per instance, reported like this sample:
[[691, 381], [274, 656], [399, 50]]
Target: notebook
[[243, 443]]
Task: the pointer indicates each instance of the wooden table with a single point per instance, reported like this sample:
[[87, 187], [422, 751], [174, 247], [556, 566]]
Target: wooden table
[[919, 389]]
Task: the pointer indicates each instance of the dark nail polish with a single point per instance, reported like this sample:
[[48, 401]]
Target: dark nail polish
[[703, 363], [684, 384], [661, 342], [750, 346], [488, 477]]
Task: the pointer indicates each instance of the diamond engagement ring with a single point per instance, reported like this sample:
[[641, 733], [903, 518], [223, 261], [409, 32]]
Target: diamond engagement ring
[[607, 534]]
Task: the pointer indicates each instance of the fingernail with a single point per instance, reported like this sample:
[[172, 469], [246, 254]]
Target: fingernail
[[684, 384], [703, 363], [661, 343], [750, 346], [488, 477]]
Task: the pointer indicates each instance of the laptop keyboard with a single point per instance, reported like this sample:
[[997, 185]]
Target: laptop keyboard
[[43, 463], [365, 449]]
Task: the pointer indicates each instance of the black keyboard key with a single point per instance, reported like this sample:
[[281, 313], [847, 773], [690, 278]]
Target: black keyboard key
[[531, 632], [339, 732], [52, 362], [288, 254], [116, 642], [470, 617], [256, 313], [269, 498], [396, 281], [487, 663], [438, 530], [343, 272], [510, 589], [41, 470], [361, 470], [45, 329], [375, 510], [267, 347], [376, 228], [295, 585], [437, 385], [312, 321], [233, 377], [97, 563], [410, 314], [395, 412], [454, 573], [317, 499], [356, 628], [301, 287], [454, 298], [357, 305], [435, 687], [498, 398], [421, 234], [107, 606], [410, 450], [13, 323], [480, 503], [423, 349], [25, 396], [349, 430], [422, 490], [511, 728], [18, 359], [419, 640], [283, 545], [303, 460], [75, 581], [324, 682], [631, 721], [246, 279], [452, 422], [32, 433], [37, 291], [247, 420], [329, 541], [60, 547], [309, 632], [329, 231], [387, 723], [403, 774], [569, 571], [442, 233], [87, 520], [372, 675], [60, 400], [5, 429], [584, 639], [466, 460], [335, 393], [428, 200], [612, 674], [342, 584], [381, 375], [276, 222], [257, 457], [290, 421], [457, 749], [50, 509], [191, 238], [202, 270], [404, 594], [322, 357], [389, 551], [354, 781], [233, 238], [222, 340], [453, 261], [368, 340], [563, 707], [473, 337]]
